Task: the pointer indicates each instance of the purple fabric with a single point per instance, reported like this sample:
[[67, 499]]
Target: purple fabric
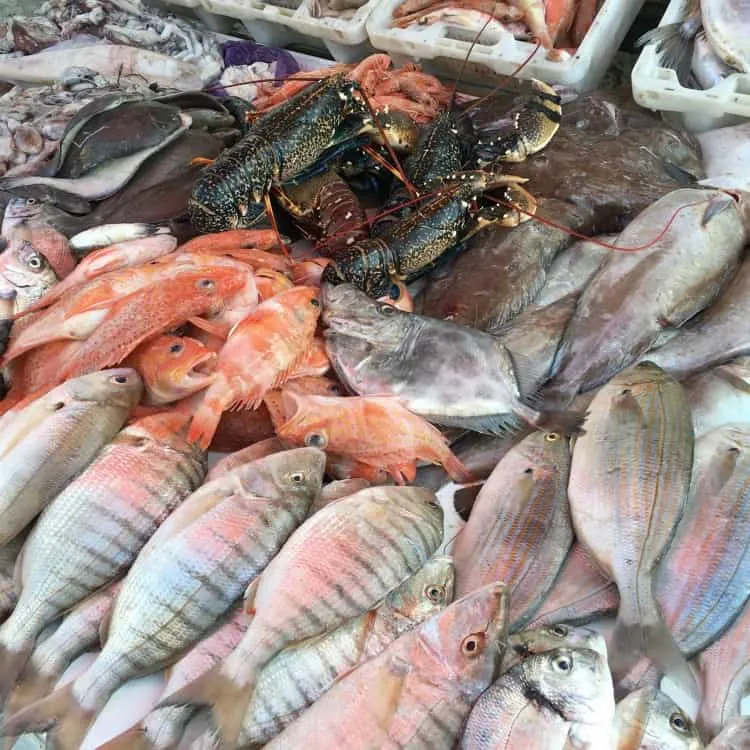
[[245, 53]]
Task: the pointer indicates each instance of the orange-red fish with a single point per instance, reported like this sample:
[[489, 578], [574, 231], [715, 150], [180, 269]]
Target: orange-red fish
[[314, 362], [376, 431], [173, 367], [259, 355], [218, 242], [270, 283], [113, 258]]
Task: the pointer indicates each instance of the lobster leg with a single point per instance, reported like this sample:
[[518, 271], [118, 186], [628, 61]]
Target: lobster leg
[[201, 161], [272, 218]]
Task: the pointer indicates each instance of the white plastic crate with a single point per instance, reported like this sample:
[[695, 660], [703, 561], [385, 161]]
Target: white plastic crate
[[442, 49], [277, 25], [657, 88]]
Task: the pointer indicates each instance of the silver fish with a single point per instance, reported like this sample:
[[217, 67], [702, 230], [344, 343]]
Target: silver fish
[[636, 295], [519, 530], [541, 701], [93, 530], [79, 417], [111, 234]]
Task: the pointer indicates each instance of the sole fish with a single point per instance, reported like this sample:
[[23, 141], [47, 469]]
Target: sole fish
[[629, 480]]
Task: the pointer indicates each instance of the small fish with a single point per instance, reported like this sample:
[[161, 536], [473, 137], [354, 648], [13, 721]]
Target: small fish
[[300, 674], [78, 633], [725, 676], [523, 644], [519, 530], [648, 719], [93, 530], [543, 700], [25, 274], [377, 432], [702, 582], [369, 543], [111, 258], [419, 691], [106, 235], [188, 579], [720, 396], [163, 728], [636, 296], [580, 594], [57, 439], [258, 356], [172, 367], [629, 481], [448, 373]]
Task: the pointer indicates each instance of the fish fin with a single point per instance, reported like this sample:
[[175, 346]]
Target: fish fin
[[18, 571], [499, 425], [391, 681], [201, 161], [678, 174], [205, 421], [454, 466], [249, 604], [674, 46], [650, 637], [134, 738], [104, 626], [228, 700], [11, 666], [215, 328], [715, 207], [464, 498]]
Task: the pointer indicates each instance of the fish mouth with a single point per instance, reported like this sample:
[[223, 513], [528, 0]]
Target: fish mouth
[[203, 368]]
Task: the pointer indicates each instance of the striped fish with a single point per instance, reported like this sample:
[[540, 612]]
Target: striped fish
[[419, 691], [519, 530], [579, 595], [93, 530], [296, 677], [341, 563], [189, 582], [629, 480], [650, 718]]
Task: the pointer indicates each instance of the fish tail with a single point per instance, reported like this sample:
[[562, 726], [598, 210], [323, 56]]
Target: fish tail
[[456, 469], [206, 420], [229, 701], [643, 632], [134, 738], [674, 45], [11, 666]]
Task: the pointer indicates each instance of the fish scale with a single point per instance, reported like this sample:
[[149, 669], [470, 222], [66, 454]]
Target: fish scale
[[96, 526]]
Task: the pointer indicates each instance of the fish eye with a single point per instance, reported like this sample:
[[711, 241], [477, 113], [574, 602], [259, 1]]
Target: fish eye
[[562, 664], [435, 593], [31, 202], [298, 477], [679, 723], [316, 440], [35, 261], [206, 284], [561, 631], [58, 405], [119, 379], [551, 437], [334, 389], [315, 302], [472, 645], [387, 309], [176, 349]]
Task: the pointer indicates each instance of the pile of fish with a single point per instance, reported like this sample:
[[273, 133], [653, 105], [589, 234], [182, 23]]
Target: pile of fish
[[454, 434], [559, 24], [710, 42]]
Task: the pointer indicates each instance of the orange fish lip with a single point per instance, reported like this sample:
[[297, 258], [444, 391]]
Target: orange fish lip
[[203, 367]]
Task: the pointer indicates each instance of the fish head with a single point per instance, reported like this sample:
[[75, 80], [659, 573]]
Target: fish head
[[548, 637], [309, 271], [301, 306], [644, 375], [120, 386], [22, 209], [293, 473], [307, 418], [427, 592], [575, 681], [270, 283], [465, 641], [283, 409], [547, 451], [648, 719], [350, 357], [174, 367], [167, 428], [27, 268], [350, 311], [242, 302]]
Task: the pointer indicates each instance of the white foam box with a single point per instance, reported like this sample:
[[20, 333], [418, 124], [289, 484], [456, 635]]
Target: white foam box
[[657, 88], [442, 49]]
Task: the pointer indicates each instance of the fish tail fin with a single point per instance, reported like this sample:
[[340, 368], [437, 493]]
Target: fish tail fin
[[11, 666], [228, 699], [456, 469], [134, 738], [674, 45], [206, 420], [643, 632]]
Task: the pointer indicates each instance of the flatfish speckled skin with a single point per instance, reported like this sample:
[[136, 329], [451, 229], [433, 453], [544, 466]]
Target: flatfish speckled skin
[[519, 530], [629, 480], [418, 692]]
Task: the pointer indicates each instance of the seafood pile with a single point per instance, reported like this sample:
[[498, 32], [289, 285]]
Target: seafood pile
[[555, 24], [477, 373], [709, 43]]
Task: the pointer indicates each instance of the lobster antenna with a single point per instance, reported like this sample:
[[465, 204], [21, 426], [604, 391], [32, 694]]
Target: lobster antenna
[[465, 62]]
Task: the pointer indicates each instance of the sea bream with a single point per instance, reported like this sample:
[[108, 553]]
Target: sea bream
[[448, 373]]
